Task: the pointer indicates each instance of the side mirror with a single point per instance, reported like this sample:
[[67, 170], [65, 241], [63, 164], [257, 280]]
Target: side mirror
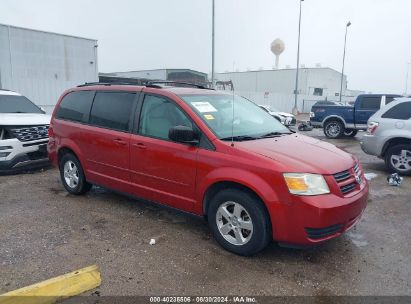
[[44, 111], [183, 134]]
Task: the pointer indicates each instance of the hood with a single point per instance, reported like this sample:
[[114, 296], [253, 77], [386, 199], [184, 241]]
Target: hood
[[299, 153], [24, 119]]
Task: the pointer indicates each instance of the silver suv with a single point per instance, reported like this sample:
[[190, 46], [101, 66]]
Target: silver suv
[[23, 133], [389, 136]]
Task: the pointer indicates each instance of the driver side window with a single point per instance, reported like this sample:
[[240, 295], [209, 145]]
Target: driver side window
[[159, 115]]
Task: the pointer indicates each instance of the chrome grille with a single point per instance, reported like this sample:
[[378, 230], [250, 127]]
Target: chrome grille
[[356, 168], [345, 176], [342, 176], [31, 133], [347, 188]]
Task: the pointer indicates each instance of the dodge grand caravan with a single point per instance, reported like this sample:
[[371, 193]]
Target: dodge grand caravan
[[208, 153]]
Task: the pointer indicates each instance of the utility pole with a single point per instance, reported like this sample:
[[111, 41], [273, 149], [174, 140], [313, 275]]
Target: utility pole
[[343, 63], [213, 46], [406, 78], [295, 109]]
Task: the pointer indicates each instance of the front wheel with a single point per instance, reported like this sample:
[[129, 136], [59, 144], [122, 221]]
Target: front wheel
[[239, 222], [72, 175], [398, 159], [334, 129], [350, 132]]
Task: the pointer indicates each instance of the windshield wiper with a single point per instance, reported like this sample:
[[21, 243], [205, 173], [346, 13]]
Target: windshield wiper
[[274, 134], [240, 138]]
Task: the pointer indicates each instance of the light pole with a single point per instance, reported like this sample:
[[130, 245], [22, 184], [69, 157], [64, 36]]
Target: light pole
[[295, 110], [343, 63], [212, 46], [406, 78]]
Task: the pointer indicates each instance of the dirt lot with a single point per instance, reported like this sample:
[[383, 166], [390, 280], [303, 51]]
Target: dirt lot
[[44, 232]]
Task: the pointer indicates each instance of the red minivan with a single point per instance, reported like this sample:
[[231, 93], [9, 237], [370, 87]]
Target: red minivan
[[208, 153]]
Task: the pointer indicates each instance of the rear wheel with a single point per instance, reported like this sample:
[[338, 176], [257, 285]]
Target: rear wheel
[[398, 159], [239, 222], [334, 129], [350, 132], [72, 175]]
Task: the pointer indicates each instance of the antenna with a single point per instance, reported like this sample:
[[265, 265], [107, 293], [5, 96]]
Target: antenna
[[232, 122]]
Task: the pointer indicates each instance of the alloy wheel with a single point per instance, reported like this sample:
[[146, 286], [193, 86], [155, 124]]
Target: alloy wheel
[[71, 174], [402, 162], [234, 223], [333, 129]]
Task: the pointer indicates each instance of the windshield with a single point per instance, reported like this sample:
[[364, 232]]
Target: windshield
[[17, 104], [250, 121]]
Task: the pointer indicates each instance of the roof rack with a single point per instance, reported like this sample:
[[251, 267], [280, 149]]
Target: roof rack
[[87, 84], [150, 84], [156, 84]]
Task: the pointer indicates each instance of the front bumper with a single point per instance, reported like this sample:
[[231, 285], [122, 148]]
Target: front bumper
[[23, 155], [310, 220], [316, 124]]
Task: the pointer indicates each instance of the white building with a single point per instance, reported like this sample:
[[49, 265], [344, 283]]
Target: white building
[[276, 87], [41, 65]]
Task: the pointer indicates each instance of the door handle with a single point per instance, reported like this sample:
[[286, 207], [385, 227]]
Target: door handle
[[120, 141], [140, 146]]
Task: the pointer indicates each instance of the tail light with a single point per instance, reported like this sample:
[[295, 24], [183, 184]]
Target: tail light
[[372, 127], [312, 114], [50, 131]]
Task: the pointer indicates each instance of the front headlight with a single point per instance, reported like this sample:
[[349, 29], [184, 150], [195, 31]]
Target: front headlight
[[306, 184]]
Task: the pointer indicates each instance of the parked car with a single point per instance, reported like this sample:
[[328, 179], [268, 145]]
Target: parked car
[[23, 133], [286, 119], [247, 174], [389, 136], [339, 121]]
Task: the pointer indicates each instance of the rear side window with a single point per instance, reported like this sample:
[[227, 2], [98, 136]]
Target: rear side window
[[75, 106], [112, 110], [400, 111], [389, 99], [371, 103]]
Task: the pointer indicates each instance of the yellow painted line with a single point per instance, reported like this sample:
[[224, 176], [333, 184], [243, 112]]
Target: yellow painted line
[[51, 290]]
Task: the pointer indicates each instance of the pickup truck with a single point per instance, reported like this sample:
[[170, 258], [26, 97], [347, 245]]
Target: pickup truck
[[339, 121]]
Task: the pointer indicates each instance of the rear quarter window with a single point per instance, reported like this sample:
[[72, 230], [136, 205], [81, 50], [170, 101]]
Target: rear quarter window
[[400, 111], [75, 106], [371, 103]]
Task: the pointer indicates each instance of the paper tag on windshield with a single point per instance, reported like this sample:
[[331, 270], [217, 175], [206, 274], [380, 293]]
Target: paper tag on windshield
[[204, 106]]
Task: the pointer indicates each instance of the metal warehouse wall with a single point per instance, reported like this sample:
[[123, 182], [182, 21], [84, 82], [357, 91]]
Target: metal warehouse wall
[[283, 81], [41, 65]]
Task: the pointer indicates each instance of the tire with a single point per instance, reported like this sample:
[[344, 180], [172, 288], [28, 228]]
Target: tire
[[237, 204], [350, 132], [334, 129], [72, 175], [398, 159]]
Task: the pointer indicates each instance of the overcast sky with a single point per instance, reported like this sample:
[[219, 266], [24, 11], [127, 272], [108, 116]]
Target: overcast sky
[[137, 34]]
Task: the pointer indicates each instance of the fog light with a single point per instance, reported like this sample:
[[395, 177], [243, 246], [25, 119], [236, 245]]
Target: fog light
[[4, 154], [5, 148]]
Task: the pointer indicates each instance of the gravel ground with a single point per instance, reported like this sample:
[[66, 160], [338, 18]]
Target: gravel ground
[[44, 232]]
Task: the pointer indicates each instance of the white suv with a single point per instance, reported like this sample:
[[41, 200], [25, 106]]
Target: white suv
[[23, 133], [389, 135]]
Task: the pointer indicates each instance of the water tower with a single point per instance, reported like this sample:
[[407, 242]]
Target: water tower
[[277, 47]]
